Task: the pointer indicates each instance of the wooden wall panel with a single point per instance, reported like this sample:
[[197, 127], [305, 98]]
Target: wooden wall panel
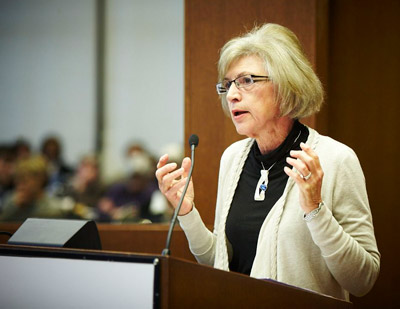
[[208, 25], [363, 107]]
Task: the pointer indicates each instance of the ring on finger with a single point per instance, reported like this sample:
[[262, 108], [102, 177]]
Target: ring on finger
[[305, 177], [172, 184]]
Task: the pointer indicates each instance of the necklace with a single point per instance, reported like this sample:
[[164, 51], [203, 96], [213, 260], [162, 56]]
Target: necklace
[[262, 184]]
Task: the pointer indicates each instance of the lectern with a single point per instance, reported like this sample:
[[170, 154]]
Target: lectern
[[59, 277]]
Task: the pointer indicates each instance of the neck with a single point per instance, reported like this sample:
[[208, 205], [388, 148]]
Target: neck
[[273, 136]]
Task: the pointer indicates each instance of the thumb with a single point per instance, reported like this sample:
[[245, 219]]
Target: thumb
[[186, 164]]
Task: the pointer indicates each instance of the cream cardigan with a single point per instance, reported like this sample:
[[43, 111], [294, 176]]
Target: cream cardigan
[[334, 254]]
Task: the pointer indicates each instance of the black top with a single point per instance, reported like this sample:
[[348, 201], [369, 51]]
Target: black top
[[247, 215]]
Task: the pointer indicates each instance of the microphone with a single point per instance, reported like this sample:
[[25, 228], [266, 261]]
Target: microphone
[[193, 142]]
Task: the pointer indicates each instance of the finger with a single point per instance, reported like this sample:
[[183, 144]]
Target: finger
[[174, 194], [308, 149], [186, 164], [299, 165], [174, 190], [162, 161], [170, 179], [307, 152], [295, 176], [164, 170], [303, 156], [310, 159]]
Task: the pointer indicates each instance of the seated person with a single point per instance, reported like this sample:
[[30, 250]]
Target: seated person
[[59, 172], [6, 172], [29, 198], [129, 199], [85, 186], [22, 149]]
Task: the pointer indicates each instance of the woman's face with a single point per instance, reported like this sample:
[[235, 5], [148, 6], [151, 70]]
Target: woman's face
[[29, 187], [253, 109]]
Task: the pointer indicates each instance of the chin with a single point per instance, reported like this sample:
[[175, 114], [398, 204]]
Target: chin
[[244, 131]]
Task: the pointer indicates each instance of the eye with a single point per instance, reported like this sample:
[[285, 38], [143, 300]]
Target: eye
[[226, 84], [245, 80]]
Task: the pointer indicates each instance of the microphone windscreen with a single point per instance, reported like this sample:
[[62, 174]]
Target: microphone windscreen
[[194, 140]]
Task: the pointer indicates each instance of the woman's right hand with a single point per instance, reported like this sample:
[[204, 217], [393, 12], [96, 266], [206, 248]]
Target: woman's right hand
[[171, 182]]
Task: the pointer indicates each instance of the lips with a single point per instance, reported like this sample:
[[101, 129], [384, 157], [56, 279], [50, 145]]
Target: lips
[[238, 112]]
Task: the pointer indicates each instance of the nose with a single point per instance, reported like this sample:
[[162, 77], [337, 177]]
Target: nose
[[233, 94]]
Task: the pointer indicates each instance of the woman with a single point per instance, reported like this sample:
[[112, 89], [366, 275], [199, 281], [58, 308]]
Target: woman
[[29, 198], [292, 204]]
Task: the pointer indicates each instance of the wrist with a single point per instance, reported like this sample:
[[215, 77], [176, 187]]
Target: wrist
[[186, 211], [313, 213]]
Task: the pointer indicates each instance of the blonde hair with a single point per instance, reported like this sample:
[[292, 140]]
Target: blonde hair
[[297, 88], [35, 166]]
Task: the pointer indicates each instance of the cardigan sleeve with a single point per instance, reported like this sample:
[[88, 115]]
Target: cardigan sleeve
[[201, 239], [343, 230], [202, 242]]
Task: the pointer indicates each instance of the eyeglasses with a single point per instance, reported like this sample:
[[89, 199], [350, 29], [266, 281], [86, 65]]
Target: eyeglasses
[[240, 82]]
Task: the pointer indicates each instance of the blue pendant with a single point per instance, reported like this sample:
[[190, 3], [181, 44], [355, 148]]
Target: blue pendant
[[259, 194]]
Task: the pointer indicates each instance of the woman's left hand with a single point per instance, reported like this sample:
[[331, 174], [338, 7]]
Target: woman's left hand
[[308, 176]]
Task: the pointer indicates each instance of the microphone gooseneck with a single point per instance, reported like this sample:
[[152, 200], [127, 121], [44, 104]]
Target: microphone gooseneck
[[193, 142]]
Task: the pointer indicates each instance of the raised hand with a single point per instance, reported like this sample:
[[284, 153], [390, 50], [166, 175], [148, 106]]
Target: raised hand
[[171, 182], [308, 177]]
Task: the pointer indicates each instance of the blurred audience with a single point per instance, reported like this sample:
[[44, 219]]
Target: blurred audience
[[43, 185], [29, 198], [59, 172], [7, 159], [85, 186], [22, 149], [129, 199]]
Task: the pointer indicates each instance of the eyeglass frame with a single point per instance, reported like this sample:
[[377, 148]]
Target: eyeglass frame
[[238, 85]]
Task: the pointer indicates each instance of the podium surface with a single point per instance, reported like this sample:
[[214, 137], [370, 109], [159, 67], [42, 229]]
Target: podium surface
[[121, 279]]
